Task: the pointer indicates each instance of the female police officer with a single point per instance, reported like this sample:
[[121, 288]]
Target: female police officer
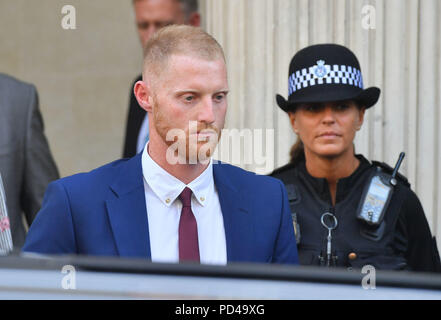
[[346, 211]]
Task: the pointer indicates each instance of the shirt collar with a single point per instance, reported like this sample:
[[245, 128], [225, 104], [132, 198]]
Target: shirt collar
[[167, 187], [344, 185]]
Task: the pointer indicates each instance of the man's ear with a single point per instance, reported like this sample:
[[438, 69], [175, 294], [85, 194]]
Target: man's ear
[[143, 95], [195, 19]]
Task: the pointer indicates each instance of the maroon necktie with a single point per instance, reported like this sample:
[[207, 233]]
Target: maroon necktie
[[188, 230]]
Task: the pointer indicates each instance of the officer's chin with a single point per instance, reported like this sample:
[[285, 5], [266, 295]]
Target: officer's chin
[[330, 151]]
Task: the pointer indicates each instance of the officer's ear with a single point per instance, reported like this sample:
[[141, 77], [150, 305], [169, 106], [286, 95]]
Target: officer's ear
[[292, 120], [361, 111]]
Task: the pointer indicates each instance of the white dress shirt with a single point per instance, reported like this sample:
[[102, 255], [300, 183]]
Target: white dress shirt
[[164, 210]]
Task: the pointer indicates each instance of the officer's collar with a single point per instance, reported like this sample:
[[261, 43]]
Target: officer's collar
[[344, 185]]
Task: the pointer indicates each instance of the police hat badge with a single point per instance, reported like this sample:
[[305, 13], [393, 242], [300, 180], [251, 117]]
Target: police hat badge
[[320, 70]]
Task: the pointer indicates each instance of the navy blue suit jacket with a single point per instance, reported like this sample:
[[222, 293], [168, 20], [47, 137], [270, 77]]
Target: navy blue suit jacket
[[103, 213]]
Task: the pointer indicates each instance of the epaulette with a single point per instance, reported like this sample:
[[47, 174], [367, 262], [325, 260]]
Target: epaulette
[[388, 169], [282, 169]]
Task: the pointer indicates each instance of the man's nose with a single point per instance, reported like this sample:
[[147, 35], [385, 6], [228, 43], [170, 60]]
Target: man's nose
[[206, 112], [149, 32]]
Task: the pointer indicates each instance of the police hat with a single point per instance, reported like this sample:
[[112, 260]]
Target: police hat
[[326, 73]]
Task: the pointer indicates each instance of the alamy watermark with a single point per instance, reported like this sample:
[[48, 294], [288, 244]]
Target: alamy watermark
[[243, 147], [69, 281], [368, 17], [69, 20], [369, 280]]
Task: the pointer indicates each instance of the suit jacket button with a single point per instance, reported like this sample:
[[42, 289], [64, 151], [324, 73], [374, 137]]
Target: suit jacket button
[[352, 256]]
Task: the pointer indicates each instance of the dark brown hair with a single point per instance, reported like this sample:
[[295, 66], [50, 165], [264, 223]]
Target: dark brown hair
[[297, 152]]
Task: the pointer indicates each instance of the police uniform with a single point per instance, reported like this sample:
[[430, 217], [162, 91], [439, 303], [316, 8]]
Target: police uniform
[[398, 238], [402, 242]]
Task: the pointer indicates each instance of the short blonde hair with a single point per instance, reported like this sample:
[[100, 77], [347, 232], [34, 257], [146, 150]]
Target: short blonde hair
[[178, 40]]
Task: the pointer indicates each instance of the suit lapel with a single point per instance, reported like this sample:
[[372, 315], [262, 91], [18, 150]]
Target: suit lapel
[[127, 211], [238, 223]]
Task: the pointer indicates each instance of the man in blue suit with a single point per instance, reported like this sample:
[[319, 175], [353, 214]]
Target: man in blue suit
[[172, 203]]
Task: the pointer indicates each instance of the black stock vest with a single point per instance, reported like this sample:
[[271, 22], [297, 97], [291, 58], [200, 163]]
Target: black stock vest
[[310, 198]]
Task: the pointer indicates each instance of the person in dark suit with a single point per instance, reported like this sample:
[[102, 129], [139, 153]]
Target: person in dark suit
[[26, 163], [151, 15], [172, 202]]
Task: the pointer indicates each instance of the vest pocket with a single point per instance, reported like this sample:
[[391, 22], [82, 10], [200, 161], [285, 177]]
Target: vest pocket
[[308, 256]]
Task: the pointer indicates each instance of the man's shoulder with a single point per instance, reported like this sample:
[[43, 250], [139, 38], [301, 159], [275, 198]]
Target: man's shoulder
[[240, 176], [11, 82], [96, 179], [16, 96]]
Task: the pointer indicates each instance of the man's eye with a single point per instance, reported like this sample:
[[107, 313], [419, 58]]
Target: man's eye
[[219, 97], [160, 25], [189, 98], [341, 107], [143, 26]]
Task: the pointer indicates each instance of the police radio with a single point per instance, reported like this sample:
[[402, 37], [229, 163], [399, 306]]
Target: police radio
[[377, 194]]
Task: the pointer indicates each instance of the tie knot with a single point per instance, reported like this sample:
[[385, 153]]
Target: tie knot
[[185, 197]]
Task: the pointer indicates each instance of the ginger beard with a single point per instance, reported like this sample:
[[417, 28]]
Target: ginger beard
[[190, 145]]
